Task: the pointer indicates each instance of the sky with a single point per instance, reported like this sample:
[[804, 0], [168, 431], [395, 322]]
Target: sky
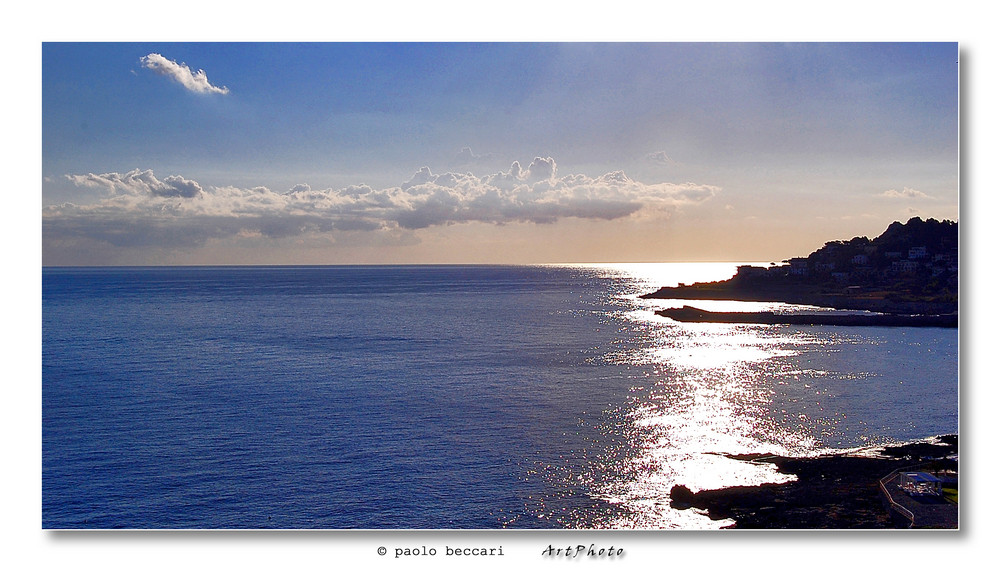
[[553, 152]]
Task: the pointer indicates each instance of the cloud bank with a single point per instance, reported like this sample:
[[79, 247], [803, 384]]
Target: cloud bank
[[181, 73], [138, 209]]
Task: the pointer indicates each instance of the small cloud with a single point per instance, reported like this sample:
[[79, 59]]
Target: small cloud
[[466, 156], [660, 158], [182, 74], [905, 193]]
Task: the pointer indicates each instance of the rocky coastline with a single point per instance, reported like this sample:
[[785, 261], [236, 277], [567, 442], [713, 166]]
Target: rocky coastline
[[830, 492]]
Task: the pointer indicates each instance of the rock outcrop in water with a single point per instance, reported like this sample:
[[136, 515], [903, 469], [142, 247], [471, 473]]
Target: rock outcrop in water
[[693, 314]]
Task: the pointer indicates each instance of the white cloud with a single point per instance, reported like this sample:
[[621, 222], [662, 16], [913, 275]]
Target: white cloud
[[140, 209], [139, 183], [905, 193], [182, 74]]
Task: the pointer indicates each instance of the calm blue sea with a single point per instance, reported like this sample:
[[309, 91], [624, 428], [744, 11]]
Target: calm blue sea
[[435, 397]]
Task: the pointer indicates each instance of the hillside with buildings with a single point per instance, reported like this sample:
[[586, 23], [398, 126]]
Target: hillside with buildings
[[909, 268]]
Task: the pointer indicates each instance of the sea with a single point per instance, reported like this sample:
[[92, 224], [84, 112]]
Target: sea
[[444, 397]]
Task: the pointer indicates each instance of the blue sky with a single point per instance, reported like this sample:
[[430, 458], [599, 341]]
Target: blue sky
[[489, 152]]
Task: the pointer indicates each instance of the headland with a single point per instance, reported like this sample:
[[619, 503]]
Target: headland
[[910, 269]]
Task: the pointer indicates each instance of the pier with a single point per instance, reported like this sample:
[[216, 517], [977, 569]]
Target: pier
[[926, 511]]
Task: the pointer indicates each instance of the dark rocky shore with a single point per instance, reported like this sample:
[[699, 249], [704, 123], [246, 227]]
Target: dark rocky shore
[[693, 314], [831, 492]]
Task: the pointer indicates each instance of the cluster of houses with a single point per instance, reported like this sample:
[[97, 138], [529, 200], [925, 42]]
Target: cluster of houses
[[861, 263]]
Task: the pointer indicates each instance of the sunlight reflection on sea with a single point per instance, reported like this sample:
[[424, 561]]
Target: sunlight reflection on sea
[[708, 390]]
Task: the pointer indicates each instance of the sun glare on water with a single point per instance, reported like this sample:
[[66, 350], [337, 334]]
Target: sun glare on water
[[656, 275], [706, 395]]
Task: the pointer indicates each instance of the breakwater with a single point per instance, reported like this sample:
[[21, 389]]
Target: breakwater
[[693, 314]]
